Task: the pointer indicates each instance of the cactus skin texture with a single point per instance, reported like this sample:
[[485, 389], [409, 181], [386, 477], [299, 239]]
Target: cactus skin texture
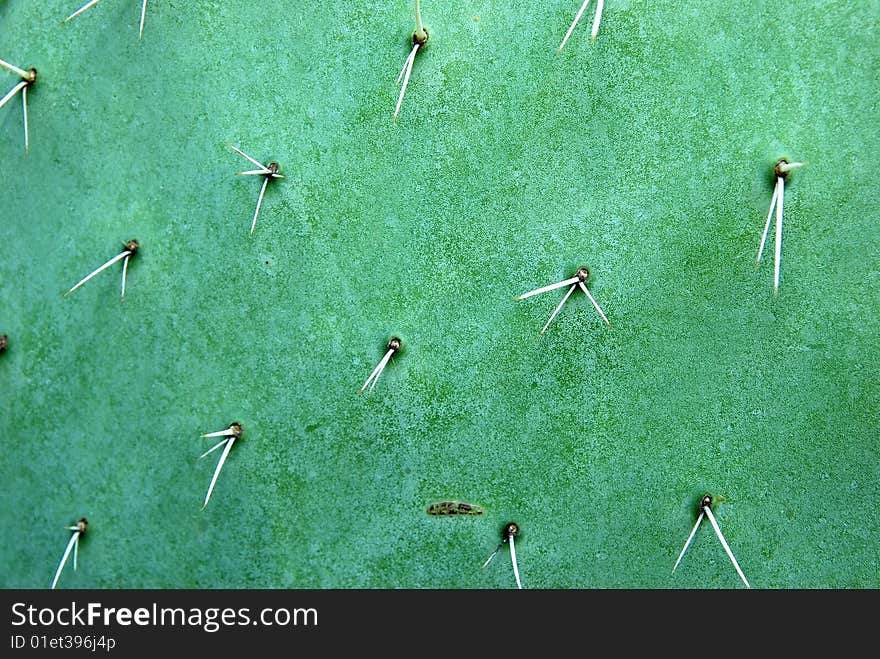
[[646, 156]]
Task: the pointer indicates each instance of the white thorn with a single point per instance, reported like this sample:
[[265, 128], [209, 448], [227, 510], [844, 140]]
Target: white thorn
[[420, 30], [405, 63], [75, 550], [70, 546], [777, 255], [573, 24], [259, 203], [254, 172], [258, 164], [773, 200], [596, 19], [724, 544], [544, 289], [214, 448], [82, 9], [564, 299], [786, 167], [492, 555], [229, 432], [13, 92], [229, 444], [124, 272], [513, 560], [688, 542], [377, 371], [595, 304], [407, 69], [374, 376], [143, 16], [382, 366], [94, 272], [24, 110], [14, 69]]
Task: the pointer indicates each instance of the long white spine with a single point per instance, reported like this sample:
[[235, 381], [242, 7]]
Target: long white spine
[[688, 542], [773, 200], [559, 306], [405, 71], [24, 112], [13, 68], [549, 287], [595, 304], [82, 9], [259, 203], [778, 252], [513, 560], [573, 24], [82, 281], [229, 444], [13, 92], [70, 545], [596, 19], [725, 545], [143, 16]]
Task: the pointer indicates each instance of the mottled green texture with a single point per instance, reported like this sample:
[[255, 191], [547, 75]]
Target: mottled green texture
[[646, 156]]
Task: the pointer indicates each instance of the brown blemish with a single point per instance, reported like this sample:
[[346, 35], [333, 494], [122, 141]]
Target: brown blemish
[[447, 508]]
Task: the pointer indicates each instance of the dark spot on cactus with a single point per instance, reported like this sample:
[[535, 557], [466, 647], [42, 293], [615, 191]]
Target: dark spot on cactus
[[510, 530], [4, 341], [583, 274], [132, 246], [81, 525], [394, 344], [421, 41], [447, 508]]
